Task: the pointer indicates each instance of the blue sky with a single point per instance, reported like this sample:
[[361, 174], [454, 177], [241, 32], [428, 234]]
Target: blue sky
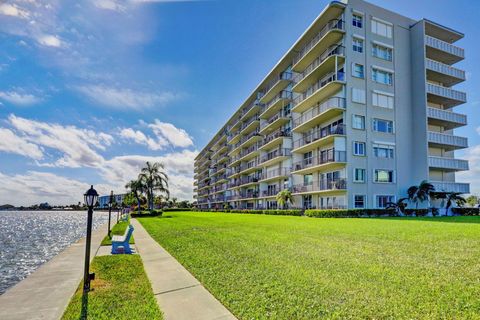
[[90, 91]]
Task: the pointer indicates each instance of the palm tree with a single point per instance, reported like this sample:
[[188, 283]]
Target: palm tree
[[454, 197], [154, 179], [420, 193], [398, 206], [284, 197], [136, 188]]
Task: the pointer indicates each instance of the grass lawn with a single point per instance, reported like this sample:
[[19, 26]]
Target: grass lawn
[[121, 290], [278, 267], [118, 229]]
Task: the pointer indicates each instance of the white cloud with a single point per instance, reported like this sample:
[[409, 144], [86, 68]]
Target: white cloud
[[49, 41], [140, 138], [13, 11], [126, 98], [109, 5], [176, 136], [11, 143], [21, 99]]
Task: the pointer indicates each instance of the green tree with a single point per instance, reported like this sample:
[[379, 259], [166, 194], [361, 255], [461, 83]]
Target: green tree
[[454, 197], [153, 180], [420, 193], [472, 201], [398, 206], [136, 188], [284, 197]]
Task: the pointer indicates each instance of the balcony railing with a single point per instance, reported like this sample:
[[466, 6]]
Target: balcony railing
[[327, 157], [286, 75], [332, 24], [444, 46], [282, 95], [249, 121], [332, 50], [319, 134], [447, 163], [445, 69], [272, 192], [270, 174], [272, 119], [249, 107], [451, 186], [447, 139], [249, 150], [274, 135], [446, 92], [330, 103], [339, 76], [440, 114], [322, 185], [283, 152], [248, 165]]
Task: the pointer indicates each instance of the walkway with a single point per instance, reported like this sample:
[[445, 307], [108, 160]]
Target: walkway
[[46, 293], [179, 295]]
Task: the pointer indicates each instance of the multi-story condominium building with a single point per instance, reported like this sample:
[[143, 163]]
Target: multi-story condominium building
[[358, 110]]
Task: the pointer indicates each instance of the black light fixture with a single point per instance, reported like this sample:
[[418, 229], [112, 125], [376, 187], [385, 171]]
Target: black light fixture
[[110, 203], [90, 200]]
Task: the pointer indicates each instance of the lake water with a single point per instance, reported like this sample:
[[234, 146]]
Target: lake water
[[30, 238]]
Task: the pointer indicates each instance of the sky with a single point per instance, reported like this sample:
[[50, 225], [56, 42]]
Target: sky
[[91, 90]]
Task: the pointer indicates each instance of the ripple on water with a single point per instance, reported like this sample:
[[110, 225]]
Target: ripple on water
[[30, 238]]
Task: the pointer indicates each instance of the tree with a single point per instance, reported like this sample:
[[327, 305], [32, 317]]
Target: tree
[[420, 193], [284, 197], [136, 188], [454, 197], [153, 179], [398, 206], [472, 201]]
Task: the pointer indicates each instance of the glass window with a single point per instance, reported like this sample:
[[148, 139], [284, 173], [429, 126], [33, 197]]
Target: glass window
[[358, 45], [383, 77], [358, 95], [359, 201], [357, 20], [384, 176], [359, 175], [358, 122], [382, 52], [382, 151], [380, 125], [382, 100], [307, 179], [383, 200], [359, 148], [358, 70], [307, 158], [382, 28]]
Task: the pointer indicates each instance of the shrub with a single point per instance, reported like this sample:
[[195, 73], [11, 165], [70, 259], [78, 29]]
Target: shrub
[[176, 209], [348, 213], [466, 211], [146, 213], [417, 212]]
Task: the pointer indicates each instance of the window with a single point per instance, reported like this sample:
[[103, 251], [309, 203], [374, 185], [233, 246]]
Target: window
[[358, 122], [383, 151], [382, 28], [358, 45], [383, 99], [357, 20], [359, 175], [307, 158], [307, 179], [382, 200], [359, 201], [382, 76], [359, 148], [380, 125], [358, 95], [307, 201], [357, 70], [384, 176], [382, 52]]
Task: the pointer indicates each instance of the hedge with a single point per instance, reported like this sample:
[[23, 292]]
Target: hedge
[[146, 213], [176, 209], [466, 211], [278, 212], [348, 213]]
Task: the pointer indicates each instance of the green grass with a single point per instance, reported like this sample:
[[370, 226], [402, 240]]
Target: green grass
[[121, 290], [277, 267], [118, 229]]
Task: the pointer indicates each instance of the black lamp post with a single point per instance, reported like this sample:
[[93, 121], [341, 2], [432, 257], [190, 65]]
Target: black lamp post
[[110, 203], [90, 199]]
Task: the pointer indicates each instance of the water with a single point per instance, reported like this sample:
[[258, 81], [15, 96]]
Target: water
[[30, 238]]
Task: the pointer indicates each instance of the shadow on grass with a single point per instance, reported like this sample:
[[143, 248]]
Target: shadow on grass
[[458, 219], [84, 311]]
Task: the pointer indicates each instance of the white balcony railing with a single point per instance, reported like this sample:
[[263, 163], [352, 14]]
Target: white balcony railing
[[444, 46], [446, 92], [445, 69], [451, 186], [440, 114], [447, 163], [447, 139]]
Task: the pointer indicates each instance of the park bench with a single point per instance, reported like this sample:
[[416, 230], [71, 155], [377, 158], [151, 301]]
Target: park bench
[[120, 244]]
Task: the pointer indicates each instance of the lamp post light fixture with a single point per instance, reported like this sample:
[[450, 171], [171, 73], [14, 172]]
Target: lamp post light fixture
[[110, 203], [90, 199]]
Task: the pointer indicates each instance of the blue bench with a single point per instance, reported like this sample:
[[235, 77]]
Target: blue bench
[[120, 244]]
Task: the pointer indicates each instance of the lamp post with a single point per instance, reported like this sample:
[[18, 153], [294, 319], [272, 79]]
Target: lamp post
[[90, 199], [110, 202]]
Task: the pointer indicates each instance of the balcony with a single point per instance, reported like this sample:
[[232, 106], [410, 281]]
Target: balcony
[[275, 86], [272, 192], [326, 62], [325, 110], [331, 33], [275, 174], [447, 119], [250, 125], [318, 138], [274, 139], [443, 73], [447, 141], [274, 122], [447, 164], [445, 96], [330, 160], [442, 51], [234, 137], [275, 156], [249, 153], [282, 99], [235, 123], [321, 186], [446, 186], [320, 90], [251, 109], [249, 167]]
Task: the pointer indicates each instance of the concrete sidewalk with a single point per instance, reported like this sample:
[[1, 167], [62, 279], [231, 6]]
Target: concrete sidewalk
[[179, 295], [46, 293]]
